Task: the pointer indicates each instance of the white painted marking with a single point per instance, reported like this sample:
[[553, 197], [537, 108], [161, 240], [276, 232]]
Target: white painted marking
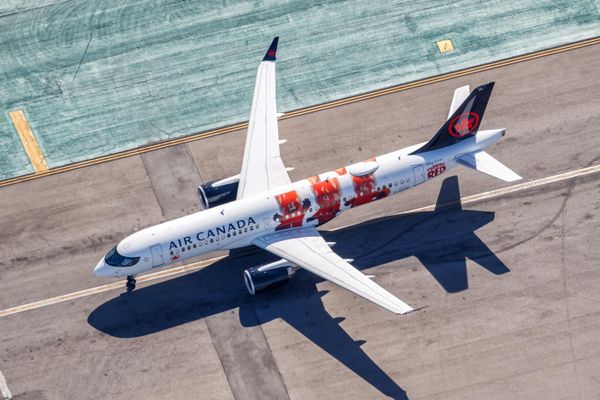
[[198, 265], [4, 388]]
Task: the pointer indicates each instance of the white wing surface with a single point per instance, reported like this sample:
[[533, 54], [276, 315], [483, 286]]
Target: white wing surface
[[306, 248], [262, 167], [483, 162]]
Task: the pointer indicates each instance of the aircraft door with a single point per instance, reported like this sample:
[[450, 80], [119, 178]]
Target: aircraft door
[[419, 174], [267, 222], [157, 256]]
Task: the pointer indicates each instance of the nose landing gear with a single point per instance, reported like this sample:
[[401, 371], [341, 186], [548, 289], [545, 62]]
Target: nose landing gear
[[130, 283]]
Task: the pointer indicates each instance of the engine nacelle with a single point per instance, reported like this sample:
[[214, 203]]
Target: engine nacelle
[[216, 193], [259, 278]]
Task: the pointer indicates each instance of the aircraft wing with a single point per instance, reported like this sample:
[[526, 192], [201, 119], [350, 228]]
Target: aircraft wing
[[306, 248], [262, 167]]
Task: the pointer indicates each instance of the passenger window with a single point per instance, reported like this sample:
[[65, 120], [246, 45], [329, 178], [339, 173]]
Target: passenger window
[[183, 249], [194, 245], [211, 240], [245, 229], [229, 235], [189, 247], [234, 233], [171, 252]]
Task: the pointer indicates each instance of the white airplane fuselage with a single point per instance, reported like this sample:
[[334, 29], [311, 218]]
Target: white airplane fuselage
[[308, 202]]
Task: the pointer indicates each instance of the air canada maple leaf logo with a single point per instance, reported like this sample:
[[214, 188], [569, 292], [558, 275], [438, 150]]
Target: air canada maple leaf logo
[[463, 124]]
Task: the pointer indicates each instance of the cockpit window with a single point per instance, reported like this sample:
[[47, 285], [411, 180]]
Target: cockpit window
[[116, 260]]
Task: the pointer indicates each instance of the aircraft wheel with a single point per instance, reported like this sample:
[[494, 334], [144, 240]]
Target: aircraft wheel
[[130, 283]]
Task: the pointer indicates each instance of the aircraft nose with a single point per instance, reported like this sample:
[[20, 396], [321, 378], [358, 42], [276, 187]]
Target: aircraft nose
[[101, 269]]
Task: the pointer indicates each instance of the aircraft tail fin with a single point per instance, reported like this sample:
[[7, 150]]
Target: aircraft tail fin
[[483, 162], [464, 120]]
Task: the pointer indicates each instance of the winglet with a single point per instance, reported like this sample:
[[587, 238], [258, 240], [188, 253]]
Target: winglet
[[270, 56]]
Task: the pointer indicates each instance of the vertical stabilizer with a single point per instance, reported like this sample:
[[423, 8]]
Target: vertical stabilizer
[[464, 122]]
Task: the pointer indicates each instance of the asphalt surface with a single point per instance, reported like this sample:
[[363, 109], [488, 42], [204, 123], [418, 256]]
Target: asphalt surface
[[510, 284]]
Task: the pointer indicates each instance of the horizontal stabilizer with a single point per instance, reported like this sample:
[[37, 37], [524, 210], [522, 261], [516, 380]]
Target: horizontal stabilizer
[[483, 162]]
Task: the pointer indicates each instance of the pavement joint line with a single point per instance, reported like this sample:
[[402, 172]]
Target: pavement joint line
[[308, 110], [200, 264], [30, 143]]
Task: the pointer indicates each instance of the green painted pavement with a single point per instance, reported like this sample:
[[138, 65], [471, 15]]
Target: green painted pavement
[[98, 77]]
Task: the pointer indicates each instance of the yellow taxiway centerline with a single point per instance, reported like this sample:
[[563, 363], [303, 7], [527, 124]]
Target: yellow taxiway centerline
[[32, 148], [201, 264], [308, 110]]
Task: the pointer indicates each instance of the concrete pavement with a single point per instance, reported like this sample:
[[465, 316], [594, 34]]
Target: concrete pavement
[[510, 282]]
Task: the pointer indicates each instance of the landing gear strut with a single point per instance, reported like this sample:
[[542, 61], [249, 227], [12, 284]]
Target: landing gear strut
[[130, 283]]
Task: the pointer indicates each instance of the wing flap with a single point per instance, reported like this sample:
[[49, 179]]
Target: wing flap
[[307, 249]]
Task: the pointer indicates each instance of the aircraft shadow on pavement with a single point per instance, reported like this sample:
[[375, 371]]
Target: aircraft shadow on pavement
[[441, 239]]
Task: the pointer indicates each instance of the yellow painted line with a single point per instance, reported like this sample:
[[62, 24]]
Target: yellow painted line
[[32, 148], [311, 109], [201, 264], [105, 288]]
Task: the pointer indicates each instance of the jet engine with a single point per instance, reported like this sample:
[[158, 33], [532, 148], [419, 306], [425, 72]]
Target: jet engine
[[216, 193], [261, 277]]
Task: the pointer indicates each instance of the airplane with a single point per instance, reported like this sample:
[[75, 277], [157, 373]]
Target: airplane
[[262, 206]]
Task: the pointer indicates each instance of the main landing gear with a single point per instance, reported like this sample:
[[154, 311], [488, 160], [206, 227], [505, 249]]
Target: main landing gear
[[130, 283]]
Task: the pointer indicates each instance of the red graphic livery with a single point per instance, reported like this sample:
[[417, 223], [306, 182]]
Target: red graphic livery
[[366, 191], [292, 210], [327, 196], [436, 169]]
